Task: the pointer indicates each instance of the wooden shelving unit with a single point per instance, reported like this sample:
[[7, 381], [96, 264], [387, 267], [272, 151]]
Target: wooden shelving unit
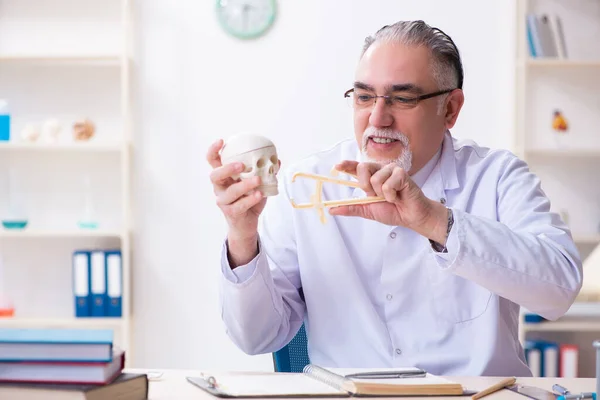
[[78, 56], [112, 60], [566, 162], [62, 233], [67, 323], [561, 63], [92, 147], [581, 317]]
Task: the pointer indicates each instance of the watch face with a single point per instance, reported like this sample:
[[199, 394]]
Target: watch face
[[246, 19]]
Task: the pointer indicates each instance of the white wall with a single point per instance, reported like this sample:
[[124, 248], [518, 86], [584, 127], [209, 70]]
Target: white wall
[[195, 84]]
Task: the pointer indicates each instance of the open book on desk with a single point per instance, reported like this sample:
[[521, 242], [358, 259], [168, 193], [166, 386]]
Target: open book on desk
[[331, 382]]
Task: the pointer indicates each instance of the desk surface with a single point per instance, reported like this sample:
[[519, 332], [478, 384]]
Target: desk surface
[[173, 385]]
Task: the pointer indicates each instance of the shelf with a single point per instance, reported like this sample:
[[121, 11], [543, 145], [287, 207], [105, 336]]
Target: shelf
[[587, 153], [581, 317], [562, 326], [563, 63], [59, 233], [20, 322], [586, 239], [97, 59], [88, 147]]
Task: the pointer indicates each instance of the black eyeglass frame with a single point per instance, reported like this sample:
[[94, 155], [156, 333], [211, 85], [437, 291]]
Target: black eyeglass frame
[[411, 101]]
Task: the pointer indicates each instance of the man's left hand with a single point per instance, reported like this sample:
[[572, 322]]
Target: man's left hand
[[406, 205]]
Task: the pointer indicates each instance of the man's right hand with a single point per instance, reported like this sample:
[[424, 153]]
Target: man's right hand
[[241, 204]]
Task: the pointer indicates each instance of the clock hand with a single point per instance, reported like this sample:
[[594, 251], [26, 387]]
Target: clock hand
[[245, 9]]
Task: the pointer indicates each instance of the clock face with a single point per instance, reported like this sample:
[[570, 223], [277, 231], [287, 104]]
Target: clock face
[[246, 19]]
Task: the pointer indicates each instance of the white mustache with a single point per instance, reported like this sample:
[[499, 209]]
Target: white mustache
[[384, 133]]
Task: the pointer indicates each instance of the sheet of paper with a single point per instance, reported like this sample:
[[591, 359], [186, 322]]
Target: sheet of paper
[[271, 384]]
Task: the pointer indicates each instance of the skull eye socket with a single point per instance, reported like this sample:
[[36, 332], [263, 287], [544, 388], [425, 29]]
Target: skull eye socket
[[248, 169], [260, 163], [273, 159]]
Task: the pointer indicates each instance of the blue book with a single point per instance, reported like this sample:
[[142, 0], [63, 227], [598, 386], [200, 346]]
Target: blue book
[[56, 345]]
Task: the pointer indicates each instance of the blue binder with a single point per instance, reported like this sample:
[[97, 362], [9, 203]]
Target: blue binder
[[81, 283], [114, 281], [98, 282]]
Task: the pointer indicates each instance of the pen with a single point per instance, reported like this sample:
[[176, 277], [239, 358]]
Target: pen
[[387, 375], [494, 388]]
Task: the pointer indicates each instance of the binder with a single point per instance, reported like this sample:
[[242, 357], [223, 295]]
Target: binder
[[81, 283], [569, 360], [550, 359], [533, 356], [98, 283], [533, 36], [114, 273]]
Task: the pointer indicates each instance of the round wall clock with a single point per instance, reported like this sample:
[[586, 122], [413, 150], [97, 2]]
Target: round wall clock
[[246, 19]]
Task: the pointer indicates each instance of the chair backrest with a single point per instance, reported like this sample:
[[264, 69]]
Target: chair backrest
[[294, 356]]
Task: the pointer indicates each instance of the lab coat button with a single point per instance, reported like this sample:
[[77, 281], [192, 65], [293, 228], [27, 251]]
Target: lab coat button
[[393, 235], [398, 351], [389, 297]]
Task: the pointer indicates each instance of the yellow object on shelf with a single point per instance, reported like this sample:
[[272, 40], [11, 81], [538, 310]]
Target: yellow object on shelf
[[559, 123]]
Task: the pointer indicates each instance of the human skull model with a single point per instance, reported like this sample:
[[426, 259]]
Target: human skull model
[[30, 132], [51, 130], [83, 130], [259, 156]]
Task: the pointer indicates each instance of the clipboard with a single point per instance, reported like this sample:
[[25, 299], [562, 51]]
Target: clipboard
[[208, 384], [319, 382]]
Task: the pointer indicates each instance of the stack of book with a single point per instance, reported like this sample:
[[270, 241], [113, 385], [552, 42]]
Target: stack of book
[[66, 364]]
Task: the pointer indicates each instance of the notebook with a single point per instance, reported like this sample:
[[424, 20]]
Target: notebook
[[316, 381]]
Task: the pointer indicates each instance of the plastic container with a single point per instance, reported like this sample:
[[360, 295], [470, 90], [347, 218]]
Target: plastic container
[[88, 218], [15, 217], [4, 121], [7, 308]]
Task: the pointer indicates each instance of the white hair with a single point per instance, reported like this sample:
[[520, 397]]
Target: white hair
[[446, 68]]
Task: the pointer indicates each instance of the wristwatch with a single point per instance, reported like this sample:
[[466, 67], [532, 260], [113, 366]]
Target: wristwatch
[[437, 246]]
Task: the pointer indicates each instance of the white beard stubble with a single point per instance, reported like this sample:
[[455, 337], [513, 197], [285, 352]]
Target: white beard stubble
[[404, 160]]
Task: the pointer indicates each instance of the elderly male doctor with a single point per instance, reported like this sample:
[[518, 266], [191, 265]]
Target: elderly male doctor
[[433, 277]]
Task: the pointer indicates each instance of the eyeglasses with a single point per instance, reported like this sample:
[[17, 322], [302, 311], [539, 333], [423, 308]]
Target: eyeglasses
[[361, 100]]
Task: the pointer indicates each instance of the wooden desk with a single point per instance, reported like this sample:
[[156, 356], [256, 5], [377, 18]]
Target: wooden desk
[[173, 385]]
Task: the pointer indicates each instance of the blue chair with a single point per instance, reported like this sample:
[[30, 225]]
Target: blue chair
[[294, 356]]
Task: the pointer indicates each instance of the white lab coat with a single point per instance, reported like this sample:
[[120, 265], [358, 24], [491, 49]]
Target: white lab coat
[[380, 296]]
